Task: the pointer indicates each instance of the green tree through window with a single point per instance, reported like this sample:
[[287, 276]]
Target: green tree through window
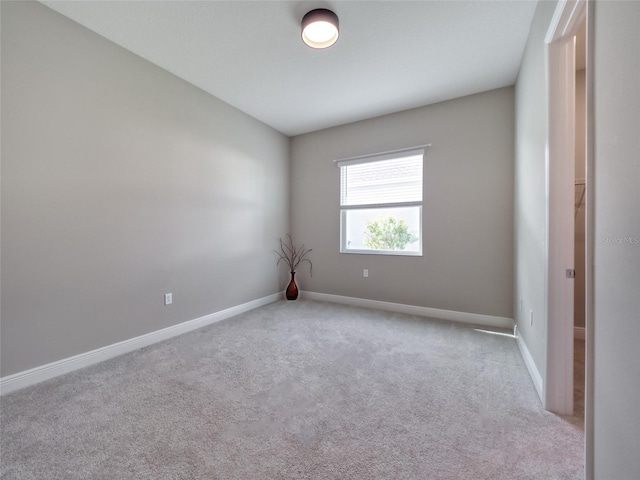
[[388, 233]]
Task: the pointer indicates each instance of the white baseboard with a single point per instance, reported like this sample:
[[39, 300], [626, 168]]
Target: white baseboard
[[579, 332], [531, 366], [19, 380], [464, 317]]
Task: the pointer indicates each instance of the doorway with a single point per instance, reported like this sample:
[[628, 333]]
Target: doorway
[[566, 23], [580, 198]]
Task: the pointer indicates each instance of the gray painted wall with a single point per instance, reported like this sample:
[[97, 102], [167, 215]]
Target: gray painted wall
[[617, 262], [121, 182], [467, 262], [530, 189]]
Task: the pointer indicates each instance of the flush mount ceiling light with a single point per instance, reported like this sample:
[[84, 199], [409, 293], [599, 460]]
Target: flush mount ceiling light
[[320, 28]]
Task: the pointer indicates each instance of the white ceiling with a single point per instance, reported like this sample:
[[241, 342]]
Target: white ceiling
[[391, 55]]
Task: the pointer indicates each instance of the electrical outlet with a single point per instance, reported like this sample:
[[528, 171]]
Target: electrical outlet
[[530, 317], [365, 272], [168, 298]]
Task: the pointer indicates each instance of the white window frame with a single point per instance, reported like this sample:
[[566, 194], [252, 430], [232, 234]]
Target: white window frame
[[344, 209]]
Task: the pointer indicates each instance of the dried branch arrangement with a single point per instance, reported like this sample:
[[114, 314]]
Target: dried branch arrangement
[[293, 256]]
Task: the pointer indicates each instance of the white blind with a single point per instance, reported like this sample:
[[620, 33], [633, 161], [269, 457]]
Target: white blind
[[379, 182]]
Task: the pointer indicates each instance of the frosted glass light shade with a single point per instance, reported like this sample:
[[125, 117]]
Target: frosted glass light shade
[[320, 28]]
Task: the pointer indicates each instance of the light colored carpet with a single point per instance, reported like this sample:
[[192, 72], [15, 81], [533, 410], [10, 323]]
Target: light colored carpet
[[296, 390]]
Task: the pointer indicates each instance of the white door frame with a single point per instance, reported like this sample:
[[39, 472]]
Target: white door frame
[[560, 170]]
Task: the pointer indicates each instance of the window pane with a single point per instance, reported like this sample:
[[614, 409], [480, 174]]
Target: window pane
[[395, 229], [387, 181]]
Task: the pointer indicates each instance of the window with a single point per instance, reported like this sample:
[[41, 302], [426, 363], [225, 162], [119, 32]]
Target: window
[[381, 203]]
